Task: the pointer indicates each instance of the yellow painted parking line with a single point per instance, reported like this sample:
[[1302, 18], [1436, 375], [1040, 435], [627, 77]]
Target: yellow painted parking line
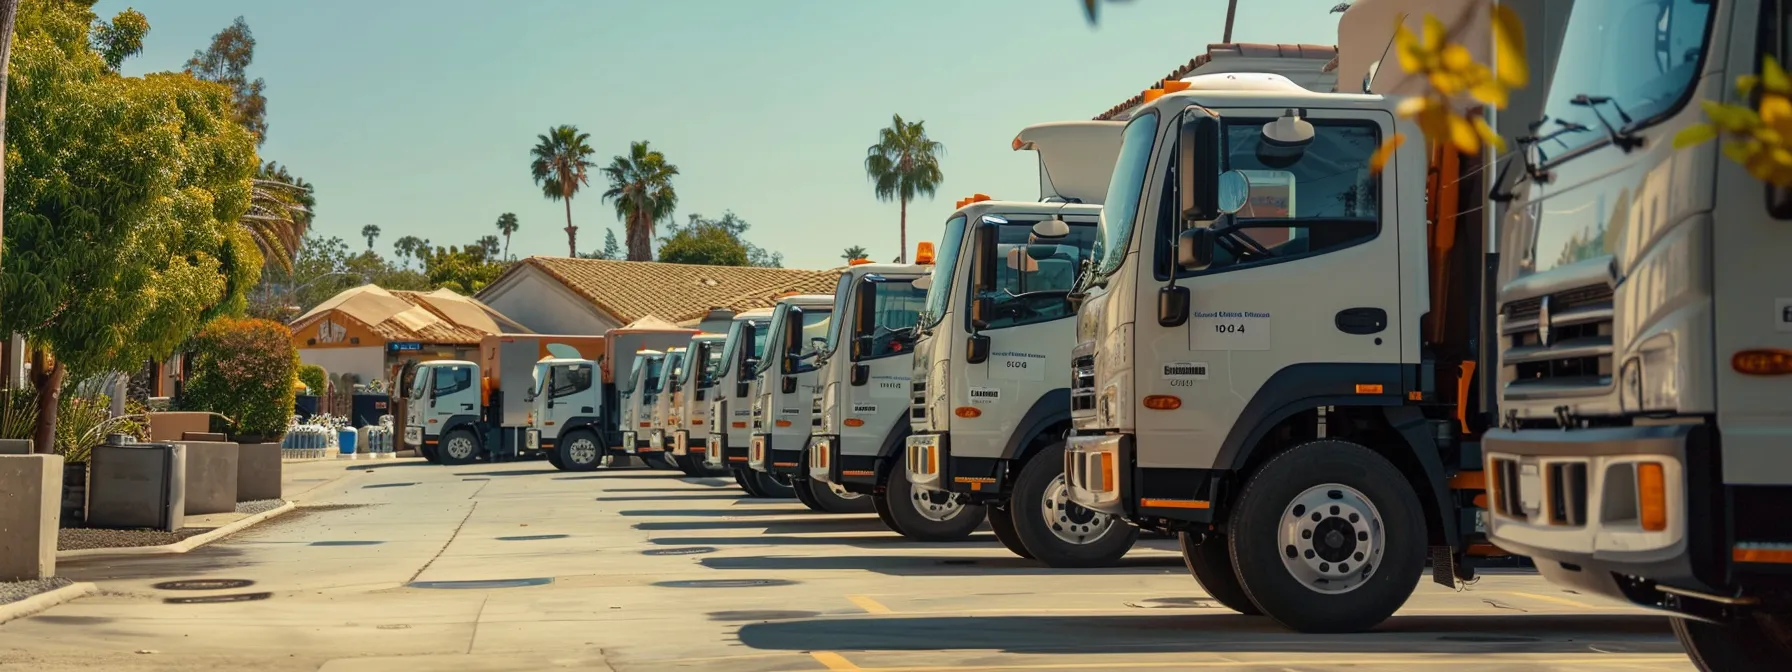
[[834, 661], [1556, 600], [1596, 660], [869, 605]]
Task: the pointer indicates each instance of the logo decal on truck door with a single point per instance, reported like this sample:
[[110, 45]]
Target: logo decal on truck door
[[985, 395], [1184, 374], [862, 408]]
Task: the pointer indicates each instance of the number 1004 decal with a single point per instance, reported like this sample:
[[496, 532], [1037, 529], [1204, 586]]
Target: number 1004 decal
[[1229, 330]]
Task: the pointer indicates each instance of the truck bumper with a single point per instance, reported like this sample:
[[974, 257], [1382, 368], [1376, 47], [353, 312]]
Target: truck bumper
[[680, 443], [413, 436], [735, 456], [534, 440], [1600, 509], [655, 443], [931, 466], [854, 473], [1102, 472], [630, 443], [758, 451], [821, 457], [1092, 467]]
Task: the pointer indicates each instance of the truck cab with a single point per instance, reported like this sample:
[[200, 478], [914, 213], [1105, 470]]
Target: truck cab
[[566, 404], [637, 416], [862, 417], [1644, 329], [731, 409], [443, 410], [783, 406], [689, 423], [990, 398], [656, 453]]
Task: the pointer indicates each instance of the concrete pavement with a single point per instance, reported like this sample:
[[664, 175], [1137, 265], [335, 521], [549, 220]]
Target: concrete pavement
[[405, 565]]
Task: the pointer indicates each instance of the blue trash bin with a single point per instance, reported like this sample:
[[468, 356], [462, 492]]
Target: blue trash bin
[[346, 440]]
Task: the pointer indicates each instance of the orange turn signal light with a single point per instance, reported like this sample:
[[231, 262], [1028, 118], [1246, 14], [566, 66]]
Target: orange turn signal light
[[1652, 496], [1018, 144], [967, 412], [856, 262], [1163, 402], [1174, 85], [783, 423], [1151, 95], [738, 425], [924, 252], [1368, 389], [1762, 362], [854, 422]]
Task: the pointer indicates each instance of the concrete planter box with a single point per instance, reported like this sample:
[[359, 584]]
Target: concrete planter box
[[211, 476], [258, 472], [15, 446], [171, 426], [137, 486], [30, 515]]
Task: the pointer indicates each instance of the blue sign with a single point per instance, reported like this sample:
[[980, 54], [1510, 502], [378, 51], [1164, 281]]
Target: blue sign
[[410, 346]]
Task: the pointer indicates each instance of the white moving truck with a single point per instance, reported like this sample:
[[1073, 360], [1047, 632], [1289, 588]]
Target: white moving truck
[[784, 401]]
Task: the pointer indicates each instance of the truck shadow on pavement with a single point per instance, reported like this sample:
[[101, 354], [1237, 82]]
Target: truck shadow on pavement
[[789, 512], [1220, 632], [933, 565], [831, 524], [884, 541], [675, 498]]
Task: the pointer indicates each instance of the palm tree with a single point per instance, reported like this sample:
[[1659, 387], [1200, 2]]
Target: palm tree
[[487, 247], [641, 186], [854, 252], [370, 232], [904, 164], [561, 159], [507, 225], [406, 248], [280, 211]]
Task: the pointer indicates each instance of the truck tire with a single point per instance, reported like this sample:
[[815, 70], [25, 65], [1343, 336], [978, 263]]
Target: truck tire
[[1753, 641], [823, 498], [1055, 530], [919, 518], [429, 454], [772, 486], [579, 450], [459, 447], [684, 465], [1328, 537], [748, 483], [658, 461], [881, 505], [1001, 521], [1211, 562], [554, 459]]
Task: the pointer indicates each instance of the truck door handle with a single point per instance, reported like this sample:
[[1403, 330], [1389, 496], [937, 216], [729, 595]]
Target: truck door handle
[[584, 409], [1362, 321], [466, 407]]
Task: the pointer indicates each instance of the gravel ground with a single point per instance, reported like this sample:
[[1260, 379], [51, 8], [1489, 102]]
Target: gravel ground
[[81, 538], [13, 591], [258, 506]]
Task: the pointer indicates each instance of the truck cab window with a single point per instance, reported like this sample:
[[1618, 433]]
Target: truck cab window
[[1642, 54], [570, 380], [897, 311], [451, 379], [1032, 280]]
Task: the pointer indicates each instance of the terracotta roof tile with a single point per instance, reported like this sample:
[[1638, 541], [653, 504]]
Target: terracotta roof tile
[[631, 290], [1250, 49]]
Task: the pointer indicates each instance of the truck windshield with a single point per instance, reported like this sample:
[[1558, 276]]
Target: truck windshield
[[774, 333], [569, 379], [419, 380], [712, 363], [731, 352], [944, 267], [674, 369], [634, 376], [652, 374], [1642, 54], [898, 307], [541, 376], [842, 306], [1114, 232], [1318, 196]]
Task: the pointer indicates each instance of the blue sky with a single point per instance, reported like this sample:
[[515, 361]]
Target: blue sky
[[417, 115]]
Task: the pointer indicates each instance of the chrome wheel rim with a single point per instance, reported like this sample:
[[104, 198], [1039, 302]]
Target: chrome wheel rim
[[582, 451], [931, 510], [460, 447], [1332, 538], [842, 493], [1069, 521]]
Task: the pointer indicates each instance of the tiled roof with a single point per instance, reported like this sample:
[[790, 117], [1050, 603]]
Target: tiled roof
[[631, 290], [426, 317], [1228, 50]]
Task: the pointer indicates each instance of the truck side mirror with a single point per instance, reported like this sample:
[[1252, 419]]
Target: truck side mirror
[[1198, 150], [976, 349], [1194, 248], [793, 340], [864, 318], [981, 307], [983, 247], [1172, 306]]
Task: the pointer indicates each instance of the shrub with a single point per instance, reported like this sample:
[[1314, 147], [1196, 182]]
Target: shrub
[[244, 369], [82, 422], [314, 377]]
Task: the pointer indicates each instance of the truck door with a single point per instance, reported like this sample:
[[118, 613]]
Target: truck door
[[570, 394], [452, 393], [873, 395], [1303, 295]]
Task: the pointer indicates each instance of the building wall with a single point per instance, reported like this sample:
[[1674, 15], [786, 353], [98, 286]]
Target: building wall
[[367, 362], [545, 306], [335, 330]]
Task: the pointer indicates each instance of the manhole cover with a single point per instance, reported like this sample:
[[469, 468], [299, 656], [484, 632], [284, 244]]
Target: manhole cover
[[475, 479], [345, 543], [386, 485], [1175, 603], [958, 562], [484, 584], [393, 626], [766, 615], [204, 584], [216, 599], [725, 583], [533, 537], [688, 550], [1488, 639]]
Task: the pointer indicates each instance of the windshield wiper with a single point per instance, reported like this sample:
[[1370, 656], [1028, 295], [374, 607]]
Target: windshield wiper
[[1622, 136]]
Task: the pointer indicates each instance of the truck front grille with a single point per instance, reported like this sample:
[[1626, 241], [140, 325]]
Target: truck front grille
[[1558, 345], [918, 395], [815, 412], [1082, 383]]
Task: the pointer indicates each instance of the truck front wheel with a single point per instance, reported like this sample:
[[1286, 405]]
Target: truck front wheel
[[824, 498], [1755, 641], [459, 447], [1057, 531], [1211, 563], [747, 483], [928, 516], [1328, 537], [772, 486], [1001, 522], [578, 451]]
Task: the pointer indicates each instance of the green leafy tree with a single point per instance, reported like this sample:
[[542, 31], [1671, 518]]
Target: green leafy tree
[[902, 166], [226, 62], [507, 225], [9, 13], [854, 253], [120, 38], [715, 242], [612, 250], [244, 369], [560, 162], [370, 232], [463, 270], [315, 378], [487, 247], [123, 208], [407, 248], [641, 188]]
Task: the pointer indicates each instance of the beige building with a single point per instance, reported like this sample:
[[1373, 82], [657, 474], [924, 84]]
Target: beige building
[[368, 330]]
